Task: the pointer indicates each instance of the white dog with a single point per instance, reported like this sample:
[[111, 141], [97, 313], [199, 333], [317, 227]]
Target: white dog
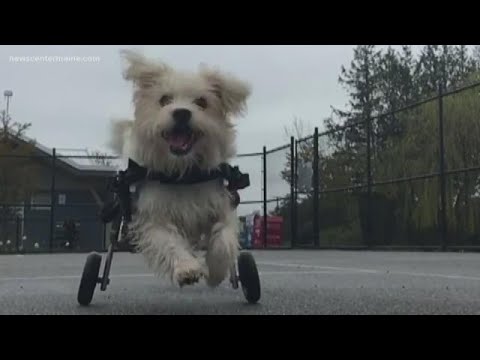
[[182, 120]]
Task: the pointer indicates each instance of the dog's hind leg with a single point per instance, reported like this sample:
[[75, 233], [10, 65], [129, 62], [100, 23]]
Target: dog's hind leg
[[167, 252], [223, 249]]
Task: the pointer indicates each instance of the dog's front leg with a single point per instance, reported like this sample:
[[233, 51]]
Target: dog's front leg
[[223, 249], [167, 252]]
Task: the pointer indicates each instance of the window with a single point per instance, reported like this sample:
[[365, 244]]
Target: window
[[62, 199], [41, 199]]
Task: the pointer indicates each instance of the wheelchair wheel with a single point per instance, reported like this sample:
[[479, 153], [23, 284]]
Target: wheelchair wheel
[[249, 279], [89, 279]]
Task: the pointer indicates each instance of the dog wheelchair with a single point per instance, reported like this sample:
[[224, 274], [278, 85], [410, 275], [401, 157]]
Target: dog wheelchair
[[244, 272]]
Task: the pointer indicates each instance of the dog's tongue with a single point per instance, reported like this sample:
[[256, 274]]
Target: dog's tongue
[[179, 141]]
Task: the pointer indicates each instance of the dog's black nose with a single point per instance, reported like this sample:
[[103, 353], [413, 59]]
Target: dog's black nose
[[181, 116]]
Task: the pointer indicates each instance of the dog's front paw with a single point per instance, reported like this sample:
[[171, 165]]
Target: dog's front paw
[[188, 272]]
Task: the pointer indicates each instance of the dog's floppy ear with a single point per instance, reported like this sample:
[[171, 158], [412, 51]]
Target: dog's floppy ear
[[232, 92], [142, 72]]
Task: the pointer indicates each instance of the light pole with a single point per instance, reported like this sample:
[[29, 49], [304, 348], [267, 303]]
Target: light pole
[[8, 94]]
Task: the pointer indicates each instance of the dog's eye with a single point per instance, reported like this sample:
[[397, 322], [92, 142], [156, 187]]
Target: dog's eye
[[201, 102], [165, 100]]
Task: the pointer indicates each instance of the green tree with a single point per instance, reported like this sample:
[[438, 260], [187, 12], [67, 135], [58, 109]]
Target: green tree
[[451, 65], [476, 56], [17, 171], [417, 153], [397, 89], [404, 144], [360, 80], [463, 65]]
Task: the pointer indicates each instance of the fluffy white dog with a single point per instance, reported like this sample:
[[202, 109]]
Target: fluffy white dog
[[182, 120]]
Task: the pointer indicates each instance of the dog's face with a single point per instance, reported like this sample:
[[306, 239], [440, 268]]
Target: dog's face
[[183, 119]]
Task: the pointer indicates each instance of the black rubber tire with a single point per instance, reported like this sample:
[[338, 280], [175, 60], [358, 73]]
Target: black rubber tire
[[89, 279], [249, 278]]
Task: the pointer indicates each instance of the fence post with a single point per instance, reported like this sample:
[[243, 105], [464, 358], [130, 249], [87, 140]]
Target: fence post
[[52, 201], [265, 197], [369, 182], [296, 177], [17, 233], [293, 202], [316, 186], [443, 186]]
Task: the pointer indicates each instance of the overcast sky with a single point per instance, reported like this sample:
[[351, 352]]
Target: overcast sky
[[70, 104]]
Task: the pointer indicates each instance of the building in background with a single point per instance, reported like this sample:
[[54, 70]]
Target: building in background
[[79, 193]]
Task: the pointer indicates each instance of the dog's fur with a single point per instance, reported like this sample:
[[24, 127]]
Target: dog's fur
[[172, 221]]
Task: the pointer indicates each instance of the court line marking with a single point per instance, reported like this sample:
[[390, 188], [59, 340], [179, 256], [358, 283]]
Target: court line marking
[[445, 276], [62, 277], [371, 271], [335, 268], [113, 276], [317, 270], [312, 272]]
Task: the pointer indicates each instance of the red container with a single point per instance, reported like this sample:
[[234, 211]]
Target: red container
[[274, 231]]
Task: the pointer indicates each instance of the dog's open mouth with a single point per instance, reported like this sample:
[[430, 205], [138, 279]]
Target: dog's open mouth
[[180, 142]]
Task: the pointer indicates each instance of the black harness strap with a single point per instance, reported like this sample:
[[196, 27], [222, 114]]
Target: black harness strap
[[120, 185]]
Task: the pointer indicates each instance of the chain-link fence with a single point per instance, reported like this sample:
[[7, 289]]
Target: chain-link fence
[[408, 178], [54, 200], [50, 201], [278, 197], [303, 167], [250, 208]]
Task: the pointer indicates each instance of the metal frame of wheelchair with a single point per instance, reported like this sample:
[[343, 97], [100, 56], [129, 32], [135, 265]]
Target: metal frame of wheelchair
[[247, 275]]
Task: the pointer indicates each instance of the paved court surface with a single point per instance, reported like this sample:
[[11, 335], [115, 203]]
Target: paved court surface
[[293, 282]]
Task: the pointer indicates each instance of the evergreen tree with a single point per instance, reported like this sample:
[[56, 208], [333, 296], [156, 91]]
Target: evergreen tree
[[448, 65], [476, 57], [361, 82], [463, 65]]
